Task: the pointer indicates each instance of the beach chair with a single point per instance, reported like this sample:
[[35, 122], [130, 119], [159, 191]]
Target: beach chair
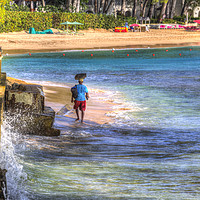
[[137, 29], [64, 32], [154, 26], [32, 31], [143, 29], [162, 26], [169, 26]]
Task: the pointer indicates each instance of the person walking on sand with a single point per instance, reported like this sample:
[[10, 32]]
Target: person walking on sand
[[80, 100], [147, 28]]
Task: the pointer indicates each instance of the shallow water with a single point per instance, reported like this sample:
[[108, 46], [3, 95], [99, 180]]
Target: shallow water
[[151, 151]]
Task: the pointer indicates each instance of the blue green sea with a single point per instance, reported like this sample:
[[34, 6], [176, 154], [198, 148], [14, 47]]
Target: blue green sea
[[150, 151]]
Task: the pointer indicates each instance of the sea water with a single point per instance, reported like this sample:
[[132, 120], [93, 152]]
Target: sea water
[[150, 151]]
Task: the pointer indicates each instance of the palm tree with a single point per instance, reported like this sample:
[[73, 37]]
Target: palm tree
[[123, 6], [144, 7], [134, 10], [163, 8], [43, 3], [173, 8], [69, 5], [108, 4], [104, 5], [74, 5], [95, 6], [78, 6], [102, 2], [168, 8]]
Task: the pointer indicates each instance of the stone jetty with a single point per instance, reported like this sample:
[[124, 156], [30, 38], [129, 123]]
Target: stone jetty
[[25, 110]]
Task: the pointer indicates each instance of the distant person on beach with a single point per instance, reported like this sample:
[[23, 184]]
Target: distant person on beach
[[147, 28], [80, 100]]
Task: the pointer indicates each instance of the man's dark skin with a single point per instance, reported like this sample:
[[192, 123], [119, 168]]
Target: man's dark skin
[[82, 111]]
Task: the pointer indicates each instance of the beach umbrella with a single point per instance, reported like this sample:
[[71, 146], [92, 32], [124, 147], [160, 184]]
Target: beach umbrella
[[134, 25], [197, 21], [67, 23], [76, 23]]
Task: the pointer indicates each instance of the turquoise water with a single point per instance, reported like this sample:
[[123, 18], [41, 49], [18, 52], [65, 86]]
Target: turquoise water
[[151, 151]]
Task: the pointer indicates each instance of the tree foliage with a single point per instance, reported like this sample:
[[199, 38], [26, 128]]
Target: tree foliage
[[2, 10], [18, 21]]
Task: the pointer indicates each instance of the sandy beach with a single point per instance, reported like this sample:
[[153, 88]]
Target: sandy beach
[[22, 42]]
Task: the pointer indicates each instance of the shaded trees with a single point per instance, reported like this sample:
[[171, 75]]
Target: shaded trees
[[2, 10], [144, 7], [140, 8], [163, 9], [151, 9], [187, 4], [134, 9], [173, 6], [95, 6], [100, 6], [43, 3], [74, 5], [123, 6]]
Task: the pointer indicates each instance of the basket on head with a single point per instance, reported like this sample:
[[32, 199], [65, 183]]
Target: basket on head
[[80, 76]]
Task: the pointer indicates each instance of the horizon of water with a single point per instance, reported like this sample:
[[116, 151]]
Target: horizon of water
[[151, 151]]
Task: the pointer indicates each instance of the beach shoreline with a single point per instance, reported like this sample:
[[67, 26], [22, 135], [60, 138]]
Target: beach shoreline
[[96, 110], [58, 96], [26, 51]]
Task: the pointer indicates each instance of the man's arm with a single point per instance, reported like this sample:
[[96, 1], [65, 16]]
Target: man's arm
[[87, 96]]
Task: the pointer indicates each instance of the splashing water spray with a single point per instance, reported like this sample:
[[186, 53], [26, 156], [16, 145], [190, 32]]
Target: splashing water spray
[[3, 186], [15, 176], [11, 172]]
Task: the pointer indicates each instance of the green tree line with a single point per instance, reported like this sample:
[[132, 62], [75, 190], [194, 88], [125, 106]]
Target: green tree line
[[22, 20], [19, 20]]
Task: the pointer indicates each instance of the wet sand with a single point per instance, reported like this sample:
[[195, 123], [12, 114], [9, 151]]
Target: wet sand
[[57, 97]]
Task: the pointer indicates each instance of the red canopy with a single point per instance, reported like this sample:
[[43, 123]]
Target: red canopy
[[134, 25], [197, 21]]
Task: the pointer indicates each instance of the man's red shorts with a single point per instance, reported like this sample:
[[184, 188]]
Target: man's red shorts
[[80, 104]]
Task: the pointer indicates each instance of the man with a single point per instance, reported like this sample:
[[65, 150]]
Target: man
[[147, 28], [80, 101]]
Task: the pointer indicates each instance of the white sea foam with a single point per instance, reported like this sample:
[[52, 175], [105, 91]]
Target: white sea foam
[[122, 109], [89, 50], [48, 83], [11, 162]]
